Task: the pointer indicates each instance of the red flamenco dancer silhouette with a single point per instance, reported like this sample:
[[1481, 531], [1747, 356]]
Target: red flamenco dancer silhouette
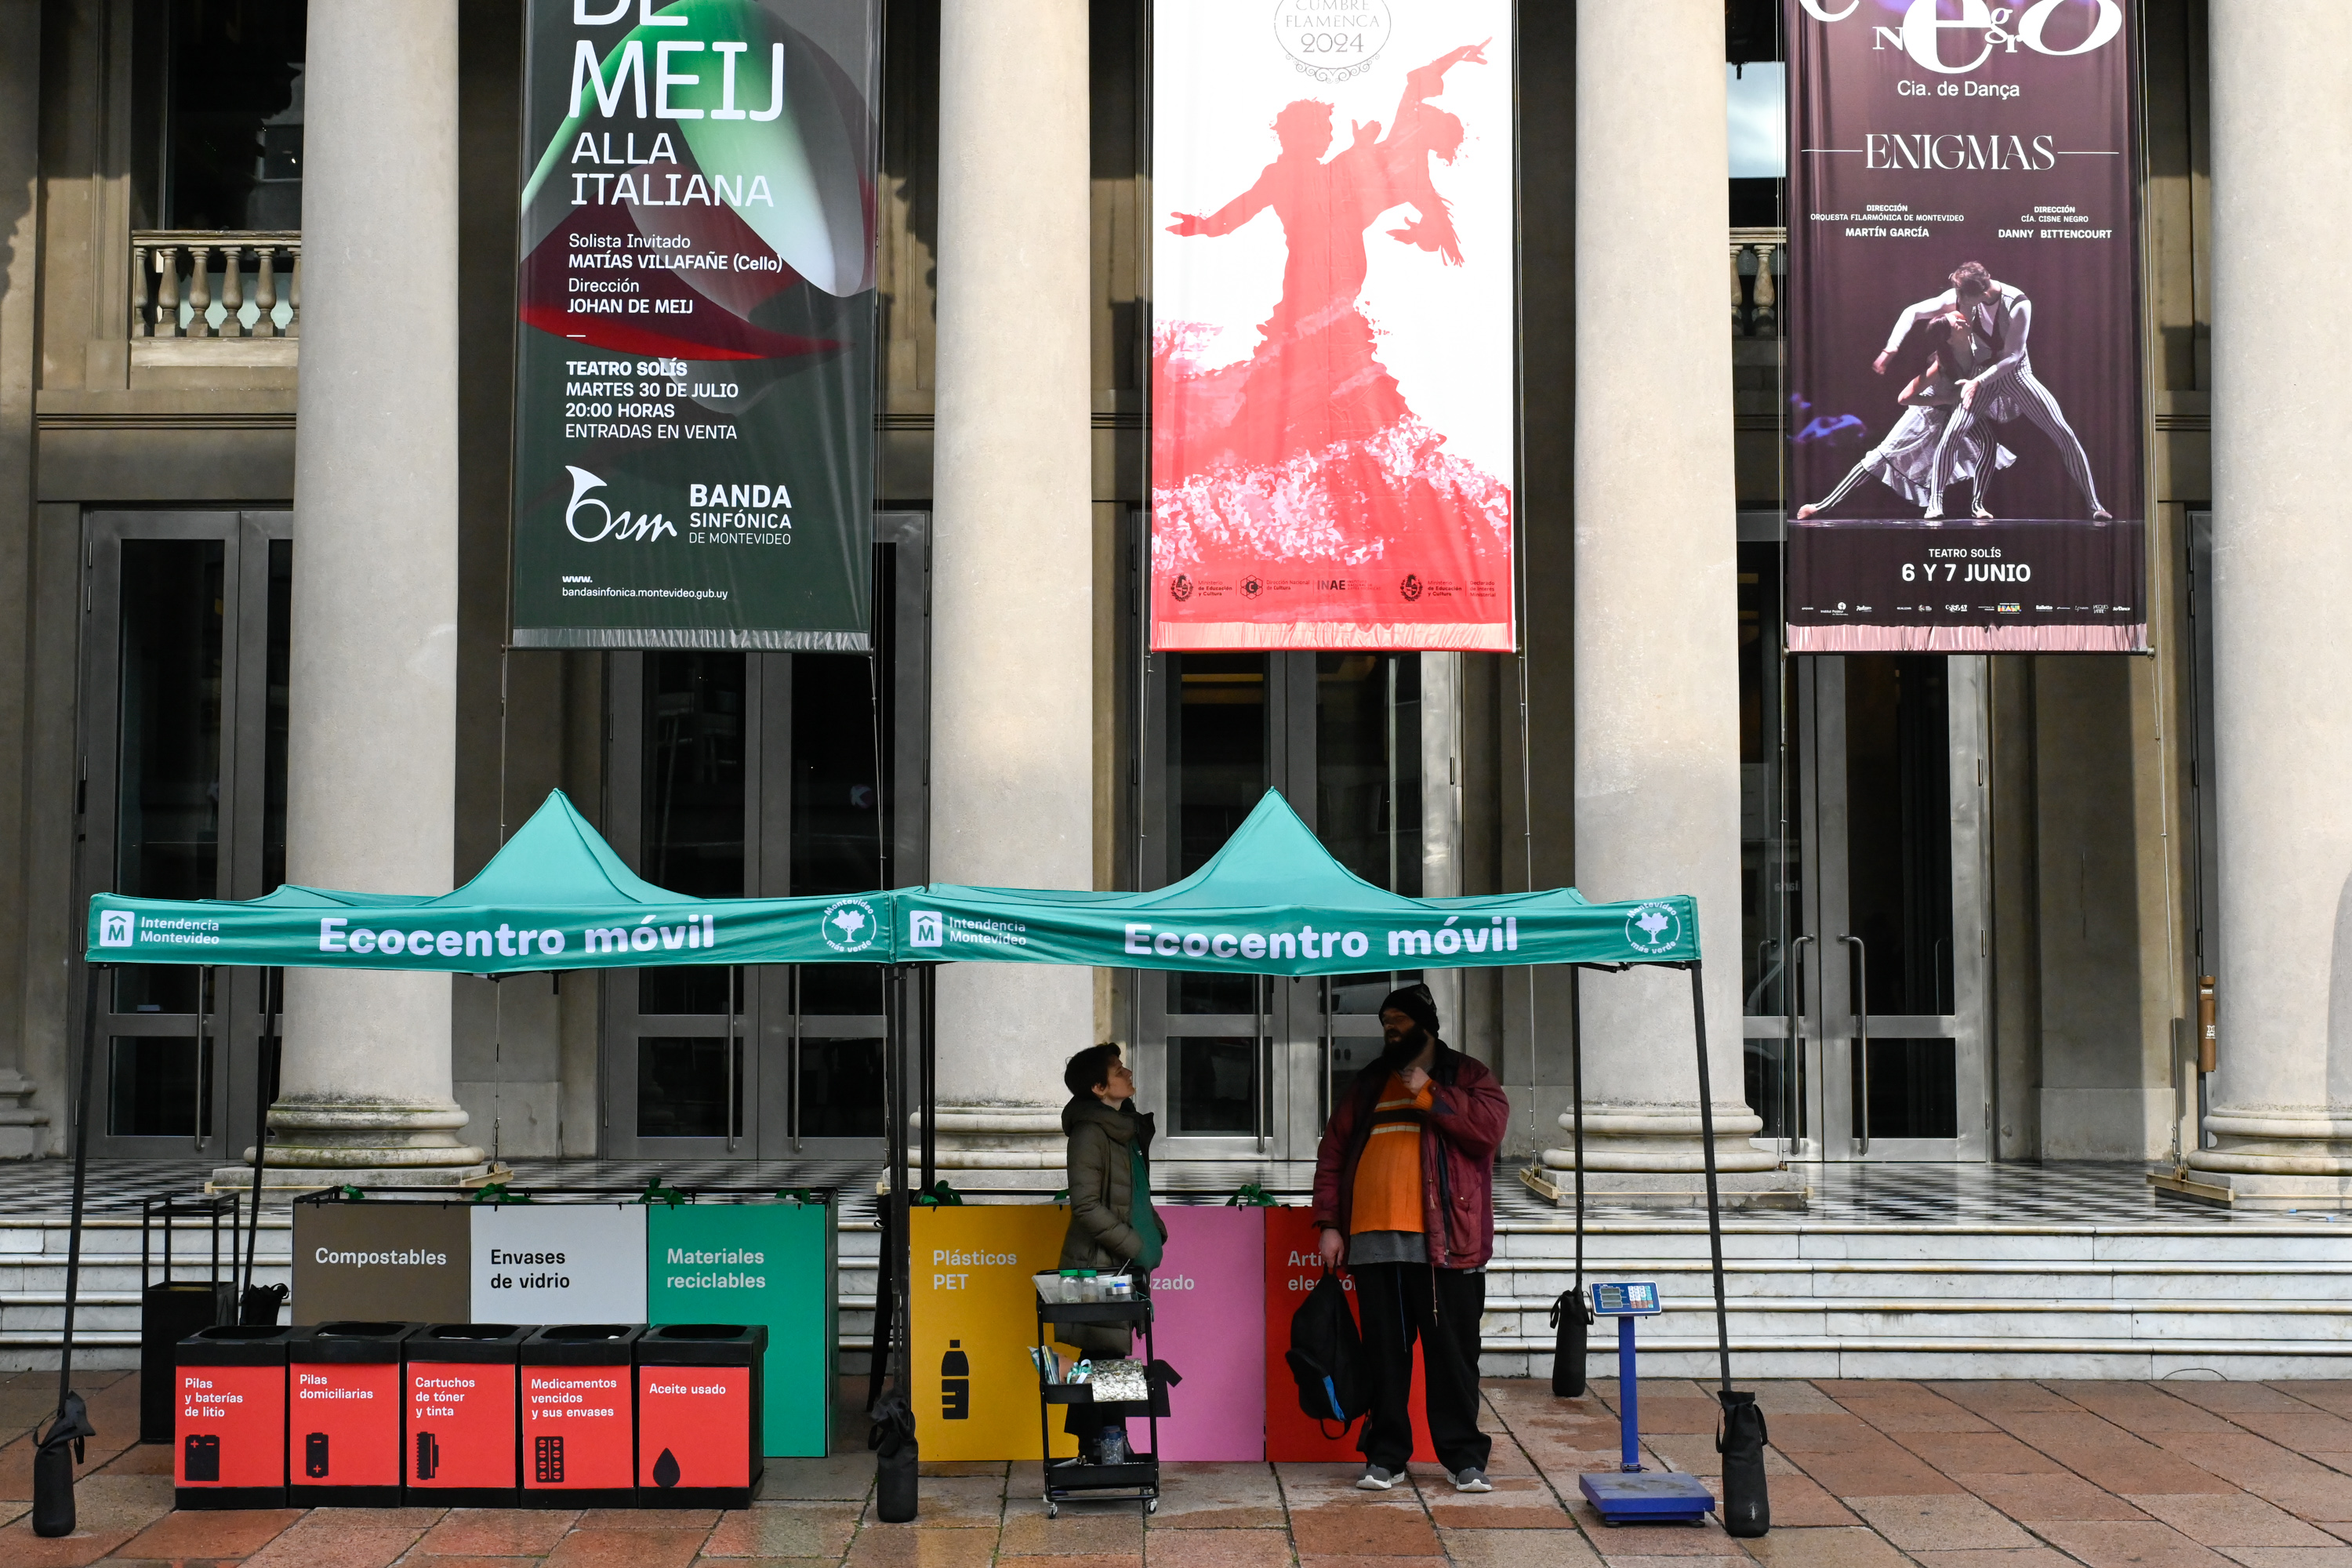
[[1280, 478]]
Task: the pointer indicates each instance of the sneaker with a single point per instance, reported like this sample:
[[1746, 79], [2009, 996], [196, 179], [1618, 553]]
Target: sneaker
[[1473, 1479], [1375, 1480]]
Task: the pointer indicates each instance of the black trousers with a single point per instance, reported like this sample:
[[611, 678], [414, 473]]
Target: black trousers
[[1397, 1304]]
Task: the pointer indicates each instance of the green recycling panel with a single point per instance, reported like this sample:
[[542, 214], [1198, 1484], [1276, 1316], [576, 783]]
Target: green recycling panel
[[766, 1262]]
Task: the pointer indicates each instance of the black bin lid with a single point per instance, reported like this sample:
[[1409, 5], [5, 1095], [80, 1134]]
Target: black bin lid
[[467, 1342], [231, 1345], [703, 1344], [351, 1340], [582, 1344]]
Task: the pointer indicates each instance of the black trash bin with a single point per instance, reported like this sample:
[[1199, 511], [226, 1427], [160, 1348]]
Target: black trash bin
[[342, 1422], [698, 1398], [461, 1447], [579, 1416], [170, 1309], [228, 1391]]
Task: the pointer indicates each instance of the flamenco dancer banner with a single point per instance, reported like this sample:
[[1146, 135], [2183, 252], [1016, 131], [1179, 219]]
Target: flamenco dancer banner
[[694, 376], [1966, 468], [1331, 355]]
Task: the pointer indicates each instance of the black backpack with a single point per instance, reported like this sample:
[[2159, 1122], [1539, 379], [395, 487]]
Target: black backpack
[[1327, 1355]]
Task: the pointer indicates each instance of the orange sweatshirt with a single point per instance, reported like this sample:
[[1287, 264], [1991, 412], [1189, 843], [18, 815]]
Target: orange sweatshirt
[[1388, 1173]]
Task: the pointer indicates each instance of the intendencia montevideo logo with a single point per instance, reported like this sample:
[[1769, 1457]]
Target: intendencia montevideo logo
[[2000, 29]]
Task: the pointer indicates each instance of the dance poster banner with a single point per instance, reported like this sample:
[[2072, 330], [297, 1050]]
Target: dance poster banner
[[1331, 355], [1966, 469], [694, 373]]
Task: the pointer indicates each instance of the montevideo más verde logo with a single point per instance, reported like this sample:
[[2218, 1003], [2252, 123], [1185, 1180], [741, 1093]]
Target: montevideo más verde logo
[[849, 925], [1653, 928]]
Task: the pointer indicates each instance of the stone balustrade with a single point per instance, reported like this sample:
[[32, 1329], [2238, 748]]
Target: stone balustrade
[[1759, 264], [215, 284]]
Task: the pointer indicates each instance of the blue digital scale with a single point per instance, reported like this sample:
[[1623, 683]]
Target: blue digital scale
[[1632, 1495]]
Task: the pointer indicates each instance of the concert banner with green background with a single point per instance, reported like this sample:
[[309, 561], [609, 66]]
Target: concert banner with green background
[[694, 377]]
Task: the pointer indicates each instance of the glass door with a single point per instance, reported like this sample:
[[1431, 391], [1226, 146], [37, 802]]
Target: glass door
[[1891, 935], [1242, 1066], [765, 774], [183, 795]]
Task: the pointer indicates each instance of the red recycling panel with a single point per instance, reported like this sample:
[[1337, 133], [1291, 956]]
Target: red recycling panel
[[461, 1425], [700, 1419], [1293, 1265], [575, 1427], [231, 1423], [344, 1426]]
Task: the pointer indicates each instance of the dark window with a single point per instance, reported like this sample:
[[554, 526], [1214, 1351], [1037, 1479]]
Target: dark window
[[231, 115], [682, 1088], [168, 804], [1216, 1083]]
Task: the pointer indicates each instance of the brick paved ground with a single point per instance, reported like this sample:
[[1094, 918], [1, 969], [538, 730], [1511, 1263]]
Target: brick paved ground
[[1947, 1475]]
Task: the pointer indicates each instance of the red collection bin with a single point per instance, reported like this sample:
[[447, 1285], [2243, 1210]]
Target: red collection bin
[[461, 1445], [229, 1418], [698, 1400], [342, 1414], [579, 1416]]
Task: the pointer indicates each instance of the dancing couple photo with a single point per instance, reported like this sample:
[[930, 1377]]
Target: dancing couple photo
[[1979, 377]]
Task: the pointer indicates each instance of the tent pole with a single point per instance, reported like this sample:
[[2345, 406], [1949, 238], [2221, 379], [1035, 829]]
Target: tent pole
[[927, 992], [82, 1171], [896, 1024], [261, 1131], [1576, 1074], [1714, 1201]]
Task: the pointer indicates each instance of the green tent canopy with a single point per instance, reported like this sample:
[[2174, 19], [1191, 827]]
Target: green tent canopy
[[1274, 901], [1271, 901], [555, 897]]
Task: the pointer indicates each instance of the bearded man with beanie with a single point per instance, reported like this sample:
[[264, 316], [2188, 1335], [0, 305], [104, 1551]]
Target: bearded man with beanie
[[1404, 1195]]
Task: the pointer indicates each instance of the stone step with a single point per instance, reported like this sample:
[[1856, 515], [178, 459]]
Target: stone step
[[2243, 1300]]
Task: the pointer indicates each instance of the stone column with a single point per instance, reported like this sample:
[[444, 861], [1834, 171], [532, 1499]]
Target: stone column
[[1656, 679], [1012, 571], [25, 1131], [371, 761], [2282, 140]]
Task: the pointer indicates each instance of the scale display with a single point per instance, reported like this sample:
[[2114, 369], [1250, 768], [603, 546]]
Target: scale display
[[1626, 1300]]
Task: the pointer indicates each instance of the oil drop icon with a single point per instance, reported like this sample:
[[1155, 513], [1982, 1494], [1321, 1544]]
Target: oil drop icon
[[665, 1470]]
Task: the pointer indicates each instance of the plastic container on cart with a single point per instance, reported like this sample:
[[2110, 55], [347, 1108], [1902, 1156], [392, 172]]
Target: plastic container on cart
[[461, 1447], [170, 1309], [342, 1414], [1137, 1477], [229, 1391], [579, 1416], [699, 1406]]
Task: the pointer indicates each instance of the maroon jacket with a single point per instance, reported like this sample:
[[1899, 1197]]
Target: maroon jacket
[[1465, 1125]]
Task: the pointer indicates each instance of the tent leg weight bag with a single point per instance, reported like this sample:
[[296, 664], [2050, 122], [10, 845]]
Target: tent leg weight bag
[[58, 1450], [896, 1460], [1747, 1504], [1572, 1318]]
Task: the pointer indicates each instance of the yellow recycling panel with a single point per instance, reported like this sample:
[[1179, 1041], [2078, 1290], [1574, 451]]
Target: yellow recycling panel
[[973, 1310]]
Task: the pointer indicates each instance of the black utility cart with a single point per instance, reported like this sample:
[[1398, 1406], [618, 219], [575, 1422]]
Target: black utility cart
[[1065, 1480]]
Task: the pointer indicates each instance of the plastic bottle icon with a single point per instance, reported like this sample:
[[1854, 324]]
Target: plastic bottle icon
[[955, 1384]]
